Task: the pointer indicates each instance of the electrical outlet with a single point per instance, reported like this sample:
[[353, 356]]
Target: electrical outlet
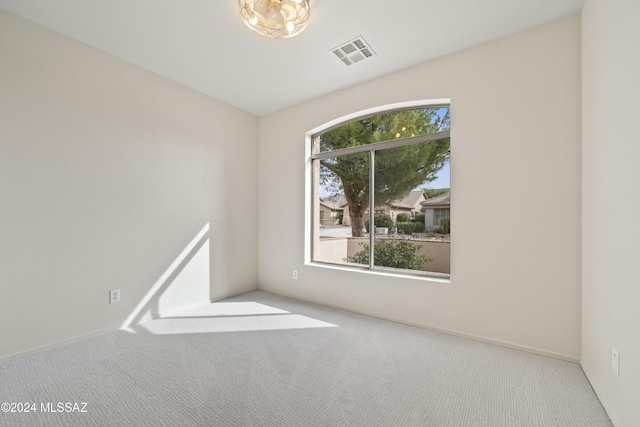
[[615, 361], [114, 296], [295, 274]]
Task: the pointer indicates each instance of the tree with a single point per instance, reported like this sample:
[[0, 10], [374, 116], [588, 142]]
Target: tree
[[430, 193], [397, 170]]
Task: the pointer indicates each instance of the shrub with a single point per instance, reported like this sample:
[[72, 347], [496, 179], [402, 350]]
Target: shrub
[[419, 227], [406, 227], [340, 217], [403, 217], [419, 218], [445, 226], [392, 253], [380, 220]]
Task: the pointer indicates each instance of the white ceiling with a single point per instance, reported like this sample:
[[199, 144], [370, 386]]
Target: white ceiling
[[204, 45]]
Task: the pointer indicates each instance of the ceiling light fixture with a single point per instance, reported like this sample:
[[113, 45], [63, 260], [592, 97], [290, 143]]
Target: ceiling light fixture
[[277, 19]]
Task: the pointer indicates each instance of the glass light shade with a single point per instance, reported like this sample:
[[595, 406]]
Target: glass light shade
[[278, 19]]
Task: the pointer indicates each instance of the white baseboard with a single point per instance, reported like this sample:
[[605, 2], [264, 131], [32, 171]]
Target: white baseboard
[[166, 313], [54, 344], [234, 294], [480, 338], [38, 349], [601, 395]]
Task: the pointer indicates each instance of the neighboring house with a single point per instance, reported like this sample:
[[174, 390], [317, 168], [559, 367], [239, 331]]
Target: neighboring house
[[410, 204], [329, 212], [436, 209]]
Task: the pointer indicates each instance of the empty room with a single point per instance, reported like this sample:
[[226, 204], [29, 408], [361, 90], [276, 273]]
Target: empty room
[[242, 213]]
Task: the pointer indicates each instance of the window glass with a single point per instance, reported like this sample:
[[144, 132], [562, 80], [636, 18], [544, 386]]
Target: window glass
[[385, 127], [334, 243], [410, 228]]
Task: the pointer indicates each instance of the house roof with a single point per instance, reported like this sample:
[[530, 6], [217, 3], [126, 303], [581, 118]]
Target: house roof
[[410, 201], [330, 205], [338, 200], [439, 201]]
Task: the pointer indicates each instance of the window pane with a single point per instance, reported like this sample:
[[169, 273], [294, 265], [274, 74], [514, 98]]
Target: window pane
[[342, 191], [385, 127], [401, 174], [411, 192]]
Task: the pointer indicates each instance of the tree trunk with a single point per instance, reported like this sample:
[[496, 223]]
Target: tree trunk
[[357, 224]]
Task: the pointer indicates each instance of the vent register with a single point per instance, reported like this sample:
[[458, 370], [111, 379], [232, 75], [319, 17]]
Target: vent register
[[353, 51]]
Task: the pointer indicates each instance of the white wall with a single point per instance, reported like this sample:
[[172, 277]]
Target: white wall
[[515, 117], [610, 203], [107, 175]]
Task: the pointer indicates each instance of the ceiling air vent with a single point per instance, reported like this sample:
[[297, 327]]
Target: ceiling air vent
[[353, 51]]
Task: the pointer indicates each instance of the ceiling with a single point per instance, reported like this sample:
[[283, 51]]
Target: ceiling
[[203, 44]]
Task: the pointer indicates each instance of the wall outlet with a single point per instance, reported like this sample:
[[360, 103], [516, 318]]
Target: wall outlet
[[295, 274], [615, 361], [114, 296]]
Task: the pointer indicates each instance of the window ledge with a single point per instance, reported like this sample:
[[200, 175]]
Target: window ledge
[[434, 277]]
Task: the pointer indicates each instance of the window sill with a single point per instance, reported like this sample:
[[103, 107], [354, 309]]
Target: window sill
[[433, 277]]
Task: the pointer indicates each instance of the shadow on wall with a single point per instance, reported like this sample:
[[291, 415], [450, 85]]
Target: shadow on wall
[[184, 282]]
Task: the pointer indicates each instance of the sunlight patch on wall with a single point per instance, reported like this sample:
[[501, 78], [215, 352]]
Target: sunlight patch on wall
[[186, 276]]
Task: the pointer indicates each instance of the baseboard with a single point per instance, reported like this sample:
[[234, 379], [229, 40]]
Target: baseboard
[[601, 395], [165, 313], [54, 344], [71, 340], [515, 346], [508, 344], [234, 294]]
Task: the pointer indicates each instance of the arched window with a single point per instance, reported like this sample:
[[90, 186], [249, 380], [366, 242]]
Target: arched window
[[387, 163]]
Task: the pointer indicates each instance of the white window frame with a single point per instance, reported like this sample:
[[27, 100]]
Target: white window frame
[[310, 191]]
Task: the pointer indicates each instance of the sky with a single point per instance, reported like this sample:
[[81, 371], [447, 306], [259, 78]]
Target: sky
[[443, 180]]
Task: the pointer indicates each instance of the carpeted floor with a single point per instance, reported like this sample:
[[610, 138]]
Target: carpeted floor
[[264, 360]]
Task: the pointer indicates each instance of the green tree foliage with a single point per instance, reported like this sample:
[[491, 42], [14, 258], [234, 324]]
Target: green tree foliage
[[397, 170], [392, 253], [430, 193]]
